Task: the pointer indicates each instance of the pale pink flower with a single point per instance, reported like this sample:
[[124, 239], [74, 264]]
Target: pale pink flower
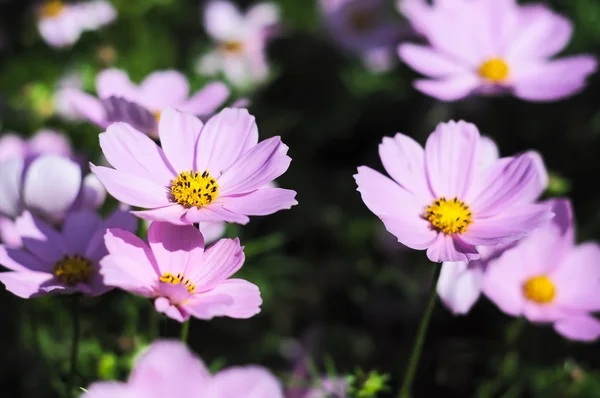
[[61, 260], [443, 200], [493, 47], [43, 142], [182, 276], [212, 172], [548, 279]]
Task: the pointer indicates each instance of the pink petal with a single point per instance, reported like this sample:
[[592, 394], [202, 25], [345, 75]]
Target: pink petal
[[87, 106], [132, 152], [121, 219], [114, 82], [403, 159], [263, 15], [447, 248], [382, 196], [61, 31], [429, 61], [92, 194], [40, 238], [109, 389], [173, 213], [163, 89], [214, 212], [261, 202], [488, 153], [211, 231], [234, 298], [553, 80], [78, 230], [258, 166], [503, 282], [132, 189], [540, 183], [459, 285], [248, 381], [24, 284], [49, 141], [543, 313], [12, 146], [23, 261], [9, 234], [450, 89], [207, 100], [225, 138], [582, 328], [179, 134], [219, 262], [450, 156], [11, 172], [222, 20], [164, 306], [175, 247]]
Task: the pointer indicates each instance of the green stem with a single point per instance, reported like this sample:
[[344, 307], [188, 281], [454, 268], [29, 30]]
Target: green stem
[[415, 355], [185, 330], [74, 348]]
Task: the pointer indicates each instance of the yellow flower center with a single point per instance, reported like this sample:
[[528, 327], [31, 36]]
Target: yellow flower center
[[539, 289], [168, 277], [191, 189], [51, 8], [157, 116], [72, 270], [494, 69], [232, 46], [449, 216]]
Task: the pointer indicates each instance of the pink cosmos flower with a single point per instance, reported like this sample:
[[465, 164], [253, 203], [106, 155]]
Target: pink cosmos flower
[[183, 277], [459, 284], [43, 142], [60, 261], [443, 200], [141, 106], [549, 279], [491, 47], [211, 172], [241, 40], [169, 369], [61, 24]]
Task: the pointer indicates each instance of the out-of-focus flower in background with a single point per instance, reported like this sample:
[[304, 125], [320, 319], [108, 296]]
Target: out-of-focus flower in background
[[182, 276], [170, 369], [493, 47], [365, 28], [240, 41], [64, 260], [119, 100], [61, 23], [548, 279], [63, 105]]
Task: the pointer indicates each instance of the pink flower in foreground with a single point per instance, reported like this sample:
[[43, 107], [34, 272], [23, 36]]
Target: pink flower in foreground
[[549, 279], [241, 40], [212, 172], [183, 277], [493, 46], [60, 261], [61, 24], [459, 284], [169, 369], [119, 100], [444, 200]]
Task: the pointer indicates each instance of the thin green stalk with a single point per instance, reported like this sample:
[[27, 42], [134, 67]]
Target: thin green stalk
[[415, 355], [74, 348], [185, 330]]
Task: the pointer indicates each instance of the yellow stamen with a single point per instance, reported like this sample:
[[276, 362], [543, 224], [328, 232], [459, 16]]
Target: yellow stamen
[[494, 69], [449, 216], [232, 46], [194, 189], [168, 277], [157, 116], [72, 270], [52, 8], [539, 289]]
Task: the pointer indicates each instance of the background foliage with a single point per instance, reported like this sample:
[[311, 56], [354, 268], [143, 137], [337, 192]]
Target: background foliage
[[334, 282]]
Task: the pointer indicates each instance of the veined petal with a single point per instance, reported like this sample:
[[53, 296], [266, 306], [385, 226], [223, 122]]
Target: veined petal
[[175, 247], [24, 284], [261, 202], [179, 133], [40, 238], [213, 212], [172, 213], [243, 301], [447, 248], [459, 285], [220, 261]]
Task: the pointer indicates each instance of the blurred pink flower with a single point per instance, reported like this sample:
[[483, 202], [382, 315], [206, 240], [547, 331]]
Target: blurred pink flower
[[329, 388], [443, 200], [61, 24], [212, 172], [491, 47], [183, 277], [141, 106], [459, 284], [60, 261], [44, 141], [240, 41], [548, 279], [169, 369]]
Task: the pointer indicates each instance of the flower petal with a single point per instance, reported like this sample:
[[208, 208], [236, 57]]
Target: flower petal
[[459, 285], [207, 100], [449, 89], [78, 230], [163, 89], [243, 301], [109, 389], [179, 134], [16, 259], [115, 82], [211, 231], [164, 306], [172, 213], [220, 261], [261, 202], [213, 212], [87, 106], [247, 381], [40, 238], [447, 248], [429, 61], [222, 20], [581, 328], [175, 247], [11, 172], [24, 284]]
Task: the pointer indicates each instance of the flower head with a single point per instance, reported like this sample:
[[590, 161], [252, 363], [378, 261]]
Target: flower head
[[61, 24], [445, 200], [240, 41], [547, 278], [491, 47], [120, 100], [169, 369], [43, 142], [61, 260], [212, 172], [176, 270]]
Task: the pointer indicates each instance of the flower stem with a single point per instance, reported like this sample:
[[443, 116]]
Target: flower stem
[[185, 330], [415, 355], [74, 347]]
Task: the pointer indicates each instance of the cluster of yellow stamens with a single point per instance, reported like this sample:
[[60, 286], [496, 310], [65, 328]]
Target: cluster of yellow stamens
[[74, 269], [51, 9], [495, 70], [168, 277], [232, 46], [194, 189], [539, 289], [449, 216]]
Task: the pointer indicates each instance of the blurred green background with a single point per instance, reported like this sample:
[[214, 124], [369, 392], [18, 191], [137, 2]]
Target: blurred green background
[[335, 284]]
